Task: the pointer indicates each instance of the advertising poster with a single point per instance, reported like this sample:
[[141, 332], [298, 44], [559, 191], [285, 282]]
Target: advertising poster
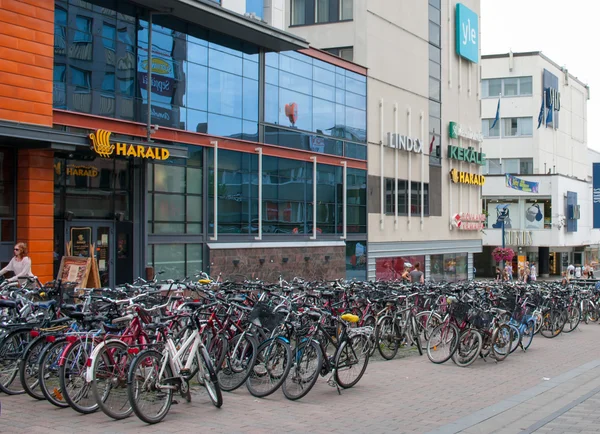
[[497, 211], [534, 216], [81, 238]]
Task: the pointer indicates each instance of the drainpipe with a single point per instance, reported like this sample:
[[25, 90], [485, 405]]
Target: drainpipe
[[149, 85]]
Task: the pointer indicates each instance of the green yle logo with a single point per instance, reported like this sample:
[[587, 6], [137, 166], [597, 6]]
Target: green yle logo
[[468, 155]]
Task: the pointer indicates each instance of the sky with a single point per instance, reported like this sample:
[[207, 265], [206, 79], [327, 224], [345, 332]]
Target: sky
[[565, 31]]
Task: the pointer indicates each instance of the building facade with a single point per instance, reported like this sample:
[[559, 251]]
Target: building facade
[[424, 189], [182, 139], [540, 140]]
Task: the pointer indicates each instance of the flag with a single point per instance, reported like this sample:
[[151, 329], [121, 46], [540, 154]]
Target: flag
[[549, 118], [541, 115], [431, 145], [497, 118]]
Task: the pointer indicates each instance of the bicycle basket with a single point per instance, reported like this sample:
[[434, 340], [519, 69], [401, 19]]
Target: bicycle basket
[[480, 319], [263, 316], [459, 311]]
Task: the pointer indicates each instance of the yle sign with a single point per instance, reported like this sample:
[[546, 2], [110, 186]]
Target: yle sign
[[467, 33]]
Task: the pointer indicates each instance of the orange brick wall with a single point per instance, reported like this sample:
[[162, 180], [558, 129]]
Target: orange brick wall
[[26, 53], [35, 208]]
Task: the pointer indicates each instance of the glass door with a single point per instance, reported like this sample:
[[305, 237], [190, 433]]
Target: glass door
[[93, 239]]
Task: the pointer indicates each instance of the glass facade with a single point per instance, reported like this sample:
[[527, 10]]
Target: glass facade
[[305, 95], [287, 196]]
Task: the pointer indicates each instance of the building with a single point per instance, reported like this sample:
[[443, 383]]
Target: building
[[423, 123], [180, 136], [540, 139]]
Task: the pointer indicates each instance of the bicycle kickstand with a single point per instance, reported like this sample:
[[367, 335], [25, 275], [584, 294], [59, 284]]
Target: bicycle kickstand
[[331, 382]]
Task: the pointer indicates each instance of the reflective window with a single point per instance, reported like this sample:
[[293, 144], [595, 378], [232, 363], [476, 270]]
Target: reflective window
[[308, 12], [174, 200], [403, 195], [513, 86], [175, 260]]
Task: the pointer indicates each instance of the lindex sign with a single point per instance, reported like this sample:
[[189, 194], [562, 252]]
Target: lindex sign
[[468, 155]]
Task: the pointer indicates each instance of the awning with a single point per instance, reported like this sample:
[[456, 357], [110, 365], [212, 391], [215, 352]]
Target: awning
[[212, 16]]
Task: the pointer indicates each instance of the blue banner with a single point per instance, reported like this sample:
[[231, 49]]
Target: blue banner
[[521, 184], [596, 195]]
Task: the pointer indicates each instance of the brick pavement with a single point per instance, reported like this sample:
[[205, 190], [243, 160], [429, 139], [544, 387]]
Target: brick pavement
[[404, 395]]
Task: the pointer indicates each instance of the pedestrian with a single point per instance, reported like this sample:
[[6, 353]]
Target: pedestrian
[[498, 274], [565, 280], [406, 272], [570, 271], [527, 275], [591, 272], [578, 272], [416, 275], [533, 272], [20, 264]]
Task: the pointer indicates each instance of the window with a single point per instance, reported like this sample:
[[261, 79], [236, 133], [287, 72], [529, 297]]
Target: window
[[255, 7], [512, 86], [516, 127], [80, 78], [515, 166], [108, 36], [346, 53], [415, 197], [490, 132], [308, 12], [448, 268], [84, 29]]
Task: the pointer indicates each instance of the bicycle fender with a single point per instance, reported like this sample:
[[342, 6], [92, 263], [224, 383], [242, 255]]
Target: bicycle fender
[[89, 373]]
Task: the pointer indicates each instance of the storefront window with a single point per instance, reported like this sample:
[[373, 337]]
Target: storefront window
[[174, 201], [356, 260], [538, 214], [393, 267], [499, 208], [175, 260], [449, 267], [95, 188]]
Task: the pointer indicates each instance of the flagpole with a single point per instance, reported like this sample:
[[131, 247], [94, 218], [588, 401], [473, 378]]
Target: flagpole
[[499, 109]]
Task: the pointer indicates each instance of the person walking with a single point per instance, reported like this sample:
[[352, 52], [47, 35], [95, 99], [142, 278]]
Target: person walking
[[578, 272], [570, 271], [533, 272], [416, 275], [20, 264]]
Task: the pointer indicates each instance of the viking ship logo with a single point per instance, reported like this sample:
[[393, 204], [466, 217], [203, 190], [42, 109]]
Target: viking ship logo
[[101, 143]]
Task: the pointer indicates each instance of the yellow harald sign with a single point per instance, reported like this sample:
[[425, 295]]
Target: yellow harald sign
[[103, 147], [466, 178]]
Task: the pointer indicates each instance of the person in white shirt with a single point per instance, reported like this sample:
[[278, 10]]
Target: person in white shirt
[[533, 272], [20, 264], [578, 272], [570, 271]]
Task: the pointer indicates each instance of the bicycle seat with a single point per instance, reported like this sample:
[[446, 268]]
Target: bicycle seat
[[315, 316], [350, 317], [8, 304]]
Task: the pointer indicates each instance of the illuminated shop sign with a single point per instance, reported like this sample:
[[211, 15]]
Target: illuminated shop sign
[[466, 178], [468, 155], [103, 147], [405, 143], [456, 130], [467, 33], [468, 222]]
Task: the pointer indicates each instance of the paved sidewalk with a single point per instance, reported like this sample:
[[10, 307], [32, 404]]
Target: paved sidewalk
[[403, 395]]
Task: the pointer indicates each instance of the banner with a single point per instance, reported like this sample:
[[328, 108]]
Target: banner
[[521, 184], [596, 195]]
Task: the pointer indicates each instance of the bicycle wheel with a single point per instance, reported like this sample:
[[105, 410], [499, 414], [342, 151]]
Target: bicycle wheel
[[573, 319], [537, 316], [48, 373], [239, 360], [516, 338], [527, 335], [217, 349], [11, 351], [426, 322], [306, 366], [387, 338], [109, 368], [469, 347], [442, 343], [76, 389], [148, 396], [351, 360], [210, 380], [273, 363], [501, 342], [552, 323], [371, 322], [28, 370]]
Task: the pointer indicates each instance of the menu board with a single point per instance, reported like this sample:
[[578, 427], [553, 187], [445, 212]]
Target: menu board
[[75, 269], [81, 240]]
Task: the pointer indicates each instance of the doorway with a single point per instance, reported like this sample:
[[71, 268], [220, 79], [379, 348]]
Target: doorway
[[93, 239]]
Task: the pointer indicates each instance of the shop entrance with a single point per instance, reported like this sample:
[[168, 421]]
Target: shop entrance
[[93, 239]]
